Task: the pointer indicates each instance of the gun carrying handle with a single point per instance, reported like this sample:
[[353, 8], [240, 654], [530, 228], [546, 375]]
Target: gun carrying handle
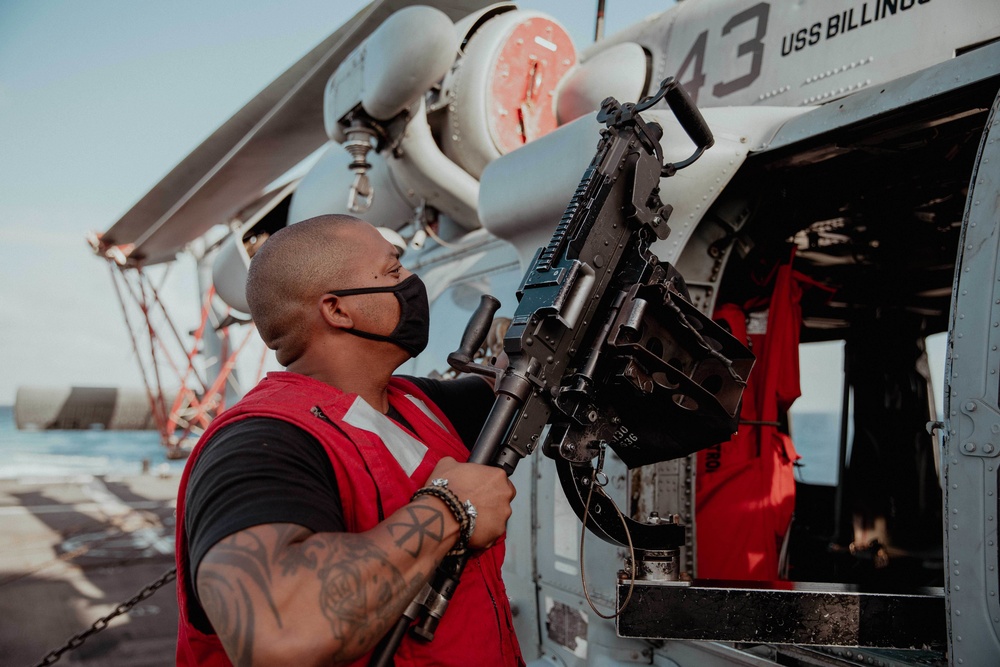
[[474, 335], [687, 114]]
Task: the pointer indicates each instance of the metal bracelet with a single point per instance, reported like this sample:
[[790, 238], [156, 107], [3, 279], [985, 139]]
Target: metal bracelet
[[441, 490]]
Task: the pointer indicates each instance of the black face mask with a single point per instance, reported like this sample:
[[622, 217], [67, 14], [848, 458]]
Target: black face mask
[[414, 314]]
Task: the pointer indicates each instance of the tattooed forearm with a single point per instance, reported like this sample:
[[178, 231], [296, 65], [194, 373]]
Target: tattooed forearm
[[362, 591], [259, 584], [357, 578]]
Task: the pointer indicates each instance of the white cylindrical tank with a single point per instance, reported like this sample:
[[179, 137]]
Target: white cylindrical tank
[[229, 273], [501, 93], [76, 408], [406, 55], [621, 72]]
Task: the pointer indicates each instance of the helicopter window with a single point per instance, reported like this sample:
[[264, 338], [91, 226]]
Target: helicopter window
[[936, 354], [816, 416]]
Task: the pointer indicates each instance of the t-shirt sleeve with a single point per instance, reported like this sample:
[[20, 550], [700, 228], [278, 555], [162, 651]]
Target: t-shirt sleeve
[[258, 471], [466, 402]]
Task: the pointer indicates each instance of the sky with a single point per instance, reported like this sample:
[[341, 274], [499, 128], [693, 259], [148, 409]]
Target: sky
[[98, 101]]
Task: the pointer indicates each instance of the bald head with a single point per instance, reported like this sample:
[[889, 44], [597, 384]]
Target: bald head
[[291, 271]]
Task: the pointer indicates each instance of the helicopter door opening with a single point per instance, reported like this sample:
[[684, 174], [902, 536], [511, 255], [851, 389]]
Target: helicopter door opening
[[873, 206]]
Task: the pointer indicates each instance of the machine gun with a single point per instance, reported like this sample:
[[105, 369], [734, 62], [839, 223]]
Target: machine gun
[[603, 348]]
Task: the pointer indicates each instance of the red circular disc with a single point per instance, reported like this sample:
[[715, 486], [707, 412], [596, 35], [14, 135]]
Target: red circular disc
[[521, 103]]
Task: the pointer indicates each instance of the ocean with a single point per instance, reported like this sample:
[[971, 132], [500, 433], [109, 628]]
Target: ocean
[[816, 436], [41, 454]]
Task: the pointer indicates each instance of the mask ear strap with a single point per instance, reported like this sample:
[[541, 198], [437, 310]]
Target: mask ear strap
[[362, 290], [387, 339], [373, 290], [369, 335]]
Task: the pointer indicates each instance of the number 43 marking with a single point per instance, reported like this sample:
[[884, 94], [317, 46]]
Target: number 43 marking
[[753, 47]]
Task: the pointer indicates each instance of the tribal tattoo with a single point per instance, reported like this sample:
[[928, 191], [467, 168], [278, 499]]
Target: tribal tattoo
[[226, 599]]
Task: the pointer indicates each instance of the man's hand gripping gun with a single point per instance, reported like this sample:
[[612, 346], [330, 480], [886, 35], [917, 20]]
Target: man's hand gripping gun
[[604, 348]]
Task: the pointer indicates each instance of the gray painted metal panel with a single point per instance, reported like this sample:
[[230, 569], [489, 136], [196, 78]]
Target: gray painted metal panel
[[972, 426], [971, 68]]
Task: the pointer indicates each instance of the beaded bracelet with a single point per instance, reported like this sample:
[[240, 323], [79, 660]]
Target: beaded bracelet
[[457, 509]]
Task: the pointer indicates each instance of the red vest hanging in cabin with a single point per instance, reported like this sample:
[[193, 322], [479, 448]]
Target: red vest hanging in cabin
[[745, 488]]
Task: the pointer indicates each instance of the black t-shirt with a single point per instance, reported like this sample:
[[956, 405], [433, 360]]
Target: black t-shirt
[[261, 470]]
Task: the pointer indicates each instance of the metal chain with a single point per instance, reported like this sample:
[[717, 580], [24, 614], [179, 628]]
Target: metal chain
[[101, 623]]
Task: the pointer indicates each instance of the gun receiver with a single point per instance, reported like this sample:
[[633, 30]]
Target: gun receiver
[[603, 346]]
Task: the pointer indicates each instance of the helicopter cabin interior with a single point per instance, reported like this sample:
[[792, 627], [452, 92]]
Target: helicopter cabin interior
[[871, 214]]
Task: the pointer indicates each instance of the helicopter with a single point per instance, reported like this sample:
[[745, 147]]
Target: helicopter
[[850, 195]]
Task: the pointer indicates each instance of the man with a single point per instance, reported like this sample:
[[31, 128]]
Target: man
[[314, 510]]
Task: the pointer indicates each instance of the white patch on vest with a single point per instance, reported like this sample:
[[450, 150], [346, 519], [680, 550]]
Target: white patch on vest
[[426, 410], [407, 450]]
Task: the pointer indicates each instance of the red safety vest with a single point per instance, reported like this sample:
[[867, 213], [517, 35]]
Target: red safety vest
[[745, 488], [367, 446]]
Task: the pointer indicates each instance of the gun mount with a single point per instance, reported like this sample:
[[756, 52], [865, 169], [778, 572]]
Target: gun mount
[[604, 347], [598, 313]]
